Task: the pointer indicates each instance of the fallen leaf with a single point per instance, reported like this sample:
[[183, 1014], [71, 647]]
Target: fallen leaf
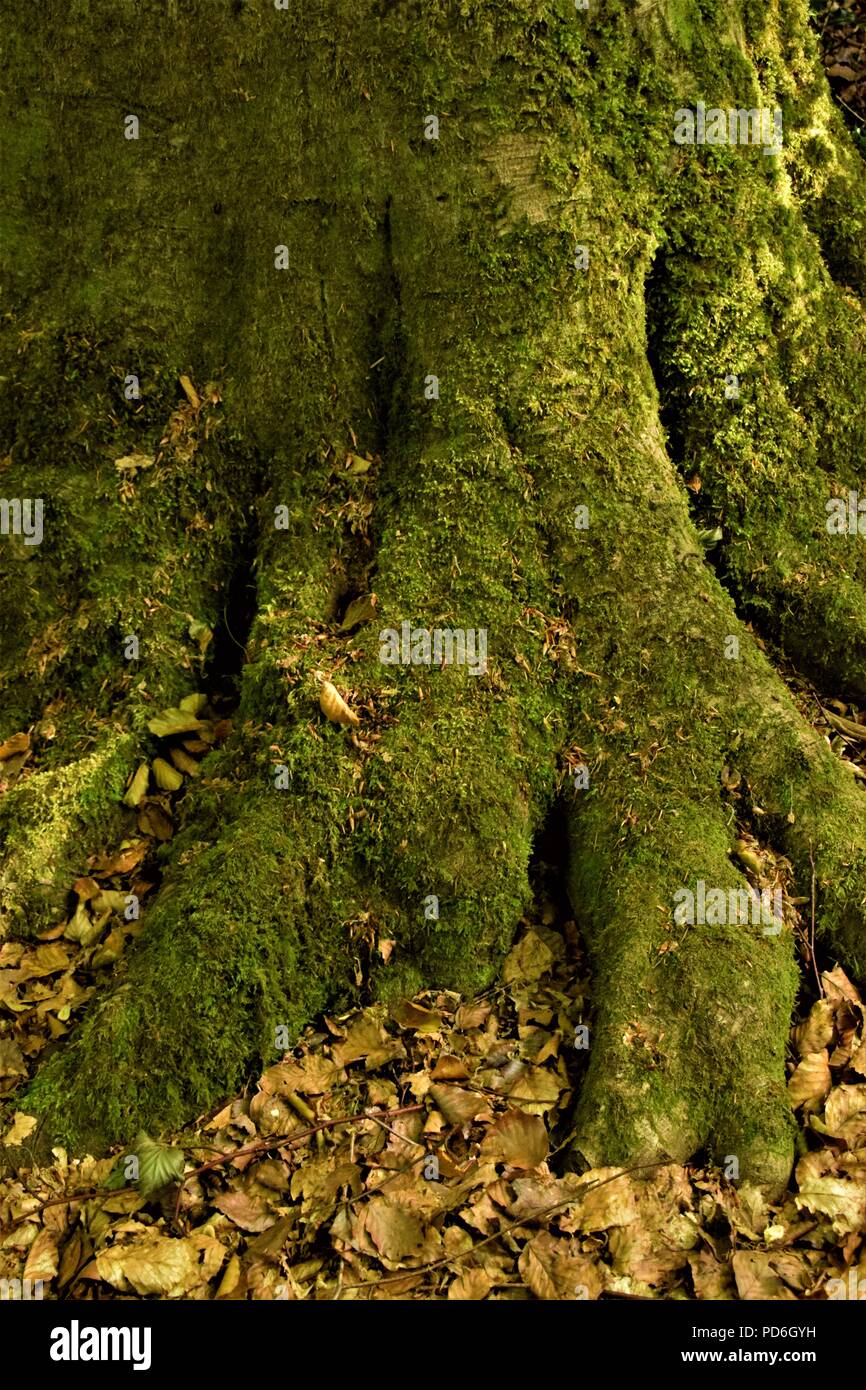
[[527, 961], [555, 1270], [43, 1258], [517, 1139], [811, 1081], [395, 1231], [22, 1127], [163, 1265], [817, 1031], [457, 1105], [18, 743], [756, 1277], [472, 1285]]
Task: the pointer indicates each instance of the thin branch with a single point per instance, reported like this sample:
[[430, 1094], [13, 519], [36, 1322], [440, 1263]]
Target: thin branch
[[510, 1226], [284, 1141], [812, 929]]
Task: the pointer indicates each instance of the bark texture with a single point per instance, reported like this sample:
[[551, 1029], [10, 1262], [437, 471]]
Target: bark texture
[[560, 386]]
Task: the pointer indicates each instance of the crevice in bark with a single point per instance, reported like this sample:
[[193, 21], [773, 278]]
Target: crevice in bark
[[553, 907], [706, 517], [654, 298], [231, 634], [387, 379], [548, 869]]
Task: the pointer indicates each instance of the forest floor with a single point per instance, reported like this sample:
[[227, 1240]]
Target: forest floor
[[414, 1152]]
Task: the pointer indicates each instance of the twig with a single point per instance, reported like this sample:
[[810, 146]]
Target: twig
[[85, 1196], [284, 1141], [404, 1138], [510, 1226], [279, 1142], [812, 929]]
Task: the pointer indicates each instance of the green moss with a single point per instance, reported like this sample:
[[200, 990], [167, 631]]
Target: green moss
[[48, 826], [411, 258], [236, 946]]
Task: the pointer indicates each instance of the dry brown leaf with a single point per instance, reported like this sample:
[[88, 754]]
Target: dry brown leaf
[[555, 1270], [517, 1139], [311, 1076], [395, 1230], [712, 1279], [163, 1265], [45, 960], [817, 1031], [231, 1278], [756, 1276], [12, 747], [86, 888], [21, 1128], [837, 986], [839, 1199], [409, 1015], [811, 1081], [272, 1173], [844, 1103], [319, 1183], [527, 961], [458, 1105], [250, 1213], [607, 1204], [177, 721], [105, 865], [152, 820], [368, 1039], [212, 1254], [472, 1285], [449, 1068], [472, 1015], [537, 1086], [42, 1258]]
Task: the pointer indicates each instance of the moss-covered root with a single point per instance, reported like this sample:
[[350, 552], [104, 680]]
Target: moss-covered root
[[692, 1018], [236, 956], [455, 790], [763, 381], [687, 1050], [816, 811], [691, 1021], [249, 936]]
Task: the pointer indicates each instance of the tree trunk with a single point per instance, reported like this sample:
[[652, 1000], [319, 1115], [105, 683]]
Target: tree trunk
[[609, 315]]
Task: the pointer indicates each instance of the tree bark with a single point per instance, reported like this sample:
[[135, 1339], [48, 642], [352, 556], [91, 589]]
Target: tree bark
[[584, 290]]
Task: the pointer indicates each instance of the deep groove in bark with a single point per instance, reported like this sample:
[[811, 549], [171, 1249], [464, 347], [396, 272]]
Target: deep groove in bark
[[228, 649], [705, 516]]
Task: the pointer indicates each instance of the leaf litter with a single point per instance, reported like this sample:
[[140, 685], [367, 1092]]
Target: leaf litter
[[414, 1152]]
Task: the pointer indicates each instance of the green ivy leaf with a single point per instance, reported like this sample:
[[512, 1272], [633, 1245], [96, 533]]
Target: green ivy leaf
[[158, 1164]]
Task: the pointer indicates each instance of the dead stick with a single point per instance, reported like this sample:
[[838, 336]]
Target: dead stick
[[520, 1221]]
